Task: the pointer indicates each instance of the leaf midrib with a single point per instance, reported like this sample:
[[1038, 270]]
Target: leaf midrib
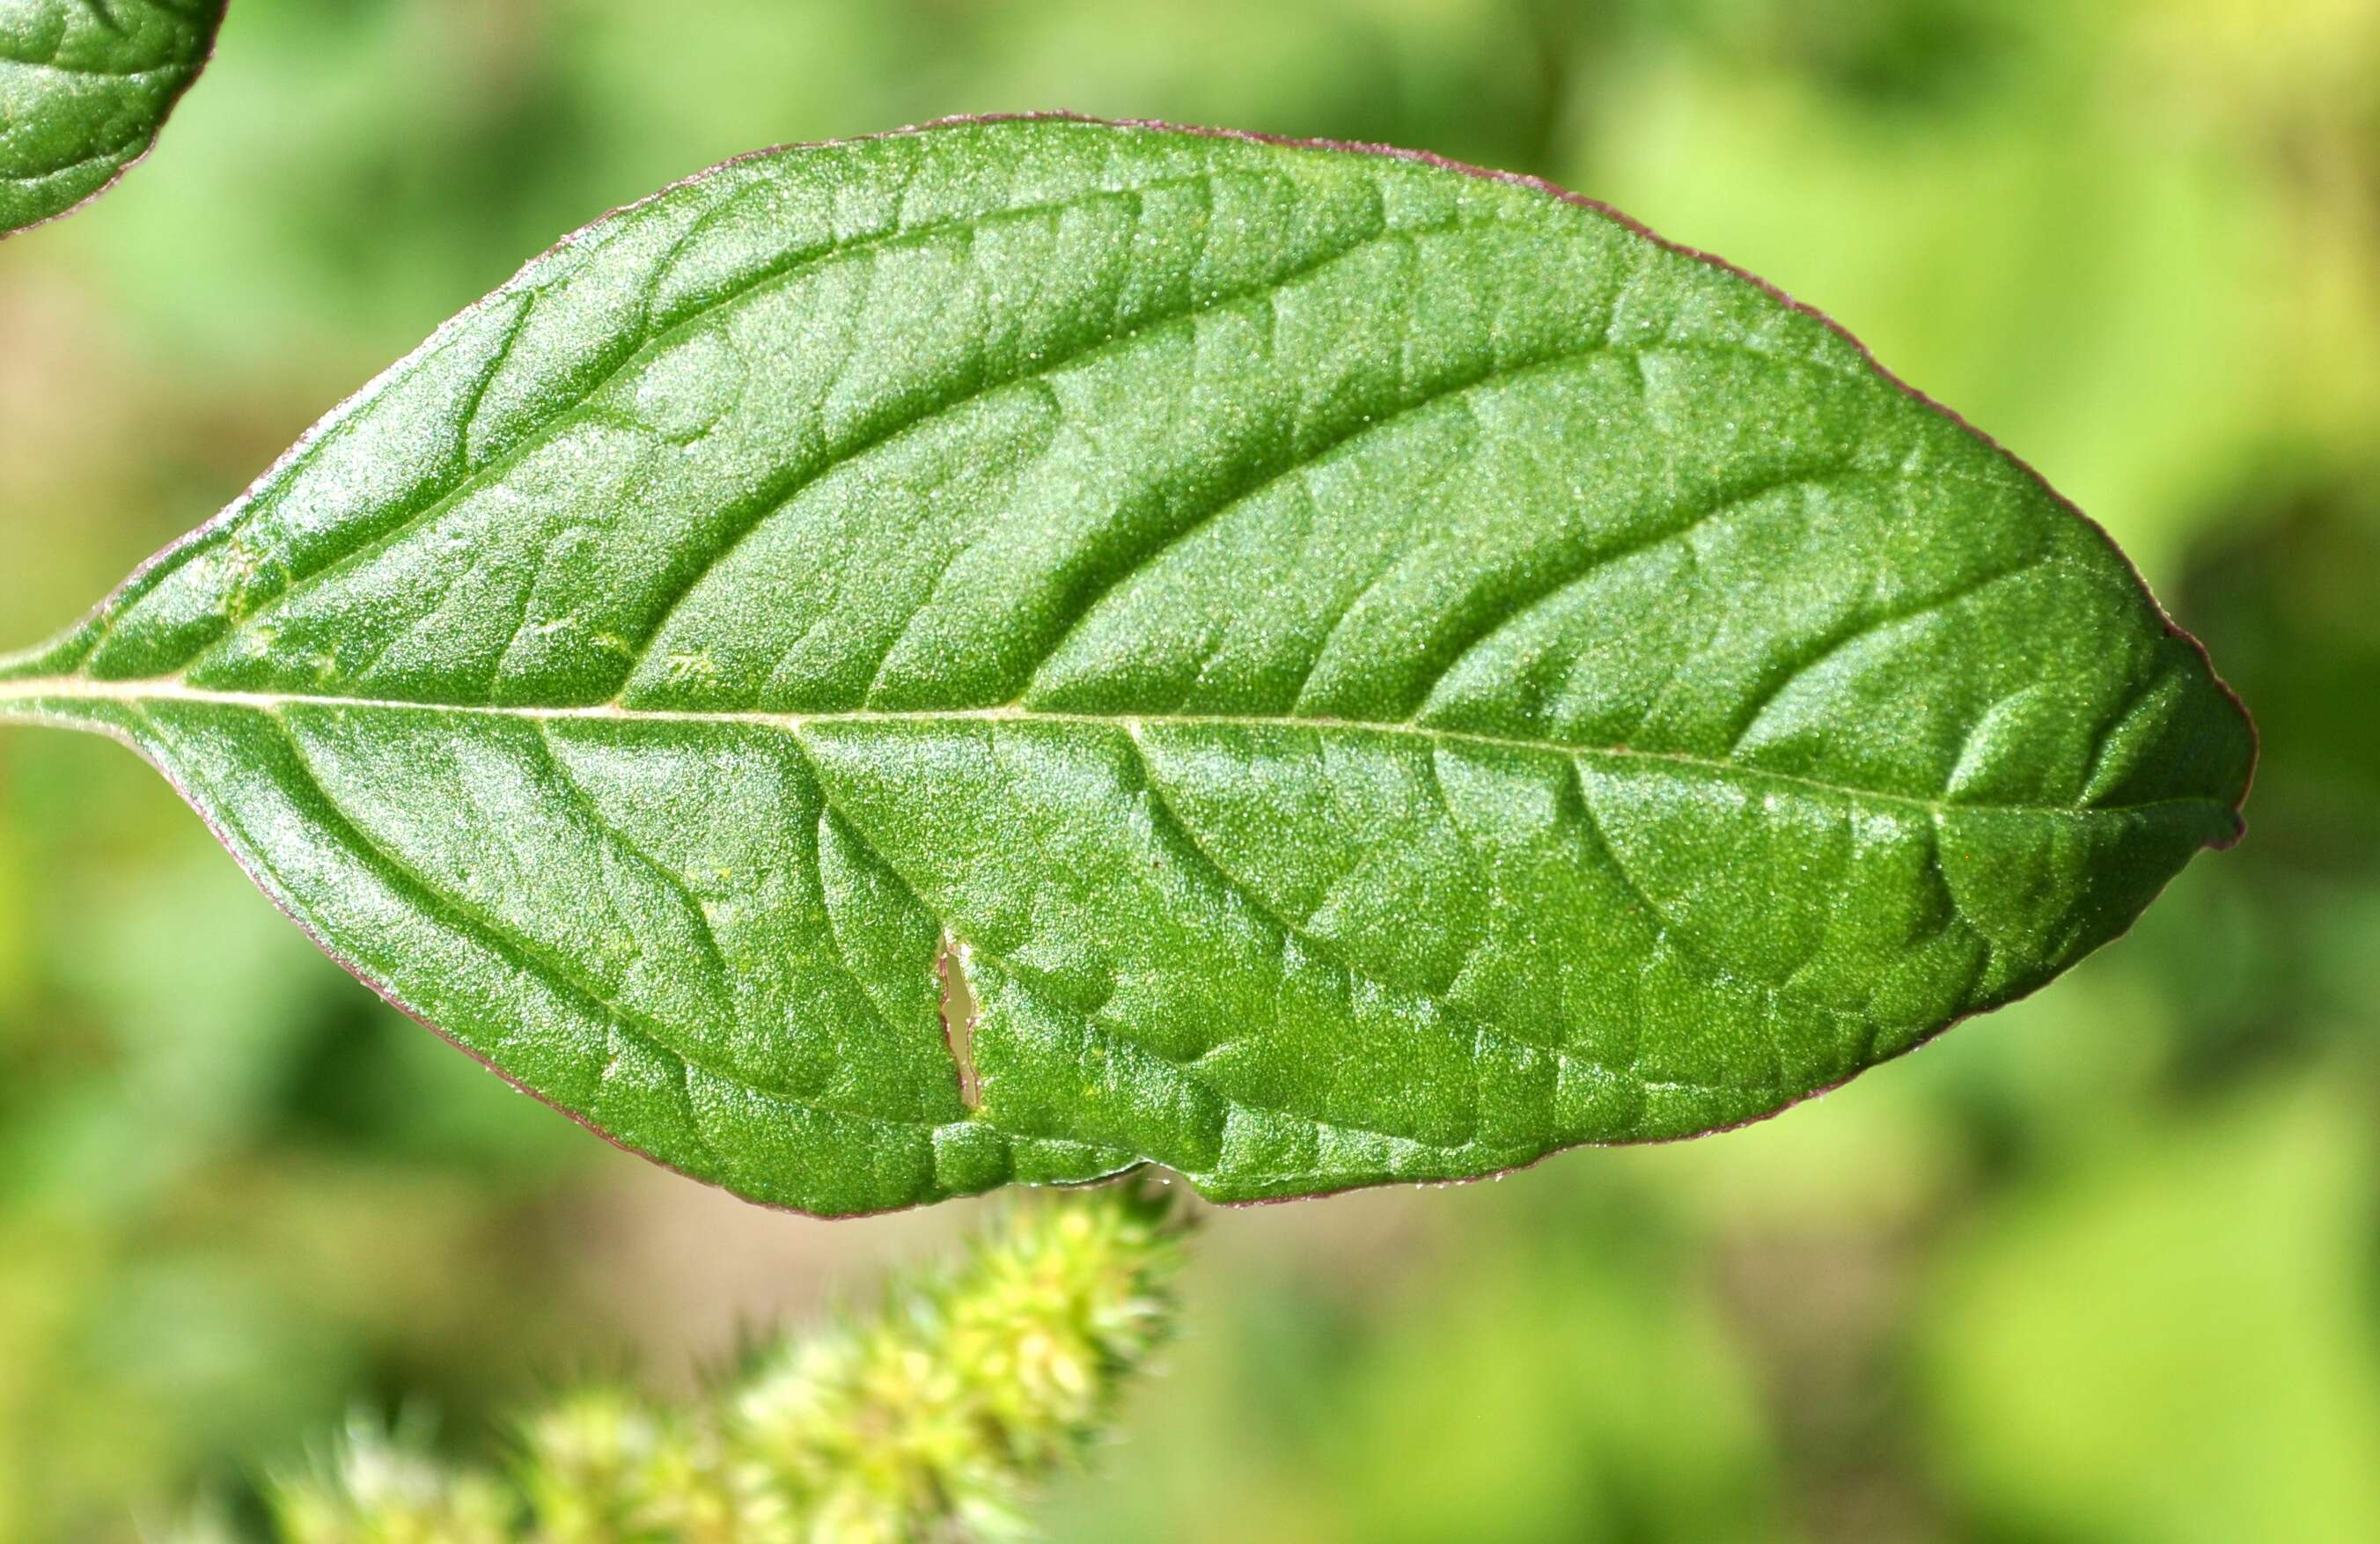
[[22, 697]]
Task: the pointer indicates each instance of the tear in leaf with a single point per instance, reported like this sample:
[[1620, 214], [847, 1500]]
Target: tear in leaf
[[959, 1012]]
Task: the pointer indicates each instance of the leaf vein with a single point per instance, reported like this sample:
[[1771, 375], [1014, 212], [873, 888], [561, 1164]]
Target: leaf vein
[[779, 273], [521, 953], [791, 486]]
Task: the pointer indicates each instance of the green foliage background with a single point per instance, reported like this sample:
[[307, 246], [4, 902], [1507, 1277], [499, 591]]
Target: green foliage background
[[2102, 1267]]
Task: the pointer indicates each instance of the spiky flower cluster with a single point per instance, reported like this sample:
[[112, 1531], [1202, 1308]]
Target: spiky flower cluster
[[385, 1491], [931, 1421]]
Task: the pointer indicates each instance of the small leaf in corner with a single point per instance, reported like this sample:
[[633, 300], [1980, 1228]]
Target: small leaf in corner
[[84, 87]]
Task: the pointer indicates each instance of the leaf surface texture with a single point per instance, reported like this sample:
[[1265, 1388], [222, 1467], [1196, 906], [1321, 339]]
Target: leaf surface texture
[[84, 87], [1324, 667]]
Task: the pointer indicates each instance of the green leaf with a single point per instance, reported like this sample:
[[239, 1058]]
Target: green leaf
[[1340, 668], [84, 87]]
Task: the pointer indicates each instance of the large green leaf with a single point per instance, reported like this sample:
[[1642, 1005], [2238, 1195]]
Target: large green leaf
[[84, 87], [1326, 667]]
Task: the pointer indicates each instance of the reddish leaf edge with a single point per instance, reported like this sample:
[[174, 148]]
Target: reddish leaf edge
[[40, 657]]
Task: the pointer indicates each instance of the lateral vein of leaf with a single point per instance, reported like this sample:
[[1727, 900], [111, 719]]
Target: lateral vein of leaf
[[609, 832], [777, 497], [1840, 641], [84, 72], [1321, 949], [781, 272], [30, 696], [568, 983], [1303, 933], [108, 155]]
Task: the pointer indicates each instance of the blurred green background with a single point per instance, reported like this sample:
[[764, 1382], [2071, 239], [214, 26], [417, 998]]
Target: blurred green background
[[2102, 1267]]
